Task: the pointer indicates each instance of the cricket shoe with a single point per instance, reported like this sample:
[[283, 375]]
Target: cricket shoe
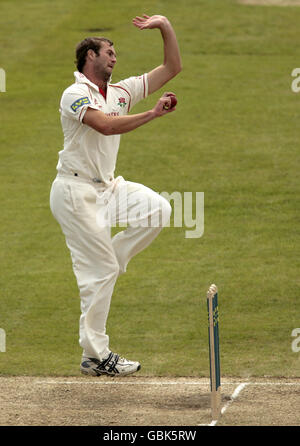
[[112, 365]]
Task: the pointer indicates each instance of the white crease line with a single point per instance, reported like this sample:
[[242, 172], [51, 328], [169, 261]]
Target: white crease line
[[162, 383], [144, 383], [233, 397], [270, 383]]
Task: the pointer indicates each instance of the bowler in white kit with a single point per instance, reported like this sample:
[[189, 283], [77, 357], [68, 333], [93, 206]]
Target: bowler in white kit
[[87, 200]]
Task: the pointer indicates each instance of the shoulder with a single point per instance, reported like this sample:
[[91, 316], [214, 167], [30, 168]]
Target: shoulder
[[75, 93], [75, 97], [121, 86], [131, 81], [76, 89], [133, 86]]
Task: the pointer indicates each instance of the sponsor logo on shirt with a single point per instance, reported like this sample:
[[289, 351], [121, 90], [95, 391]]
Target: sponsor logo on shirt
[[79, 103]]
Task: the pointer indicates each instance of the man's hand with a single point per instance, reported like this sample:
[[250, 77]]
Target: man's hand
[[163, 105], [147, 22]]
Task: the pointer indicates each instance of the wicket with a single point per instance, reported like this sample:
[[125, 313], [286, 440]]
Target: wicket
[[214, 355]]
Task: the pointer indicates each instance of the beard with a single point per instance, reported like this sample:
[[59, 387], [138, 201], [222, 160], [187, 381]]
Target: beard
[[102, 73], [106, 76]]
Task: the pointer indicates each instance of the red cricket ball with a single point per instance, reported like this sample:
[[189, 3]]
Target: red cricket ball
[[173, 100]]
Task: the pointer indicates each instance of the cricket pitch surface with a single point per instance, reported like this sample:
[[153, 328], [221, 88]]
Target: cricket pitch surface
[[146, 401]]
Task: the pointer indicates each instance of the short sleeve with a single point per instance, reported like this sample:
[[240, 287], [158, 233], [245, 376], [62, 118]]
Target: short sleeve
[[74, 103], [137, 87]]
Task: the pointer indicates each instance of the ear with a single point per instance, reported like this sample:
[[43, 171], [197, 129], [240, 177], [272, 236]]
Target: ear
[[91, 54]]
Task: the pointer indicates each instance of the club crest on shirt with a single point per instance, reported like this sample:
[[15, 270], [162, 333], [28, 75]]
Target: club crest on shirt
[[79, 103], [122, 102]]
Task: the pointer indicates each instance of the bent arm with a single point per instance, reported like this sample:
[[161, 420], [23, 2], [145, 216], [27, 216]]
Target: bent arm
[[117, 125], [171, 65]]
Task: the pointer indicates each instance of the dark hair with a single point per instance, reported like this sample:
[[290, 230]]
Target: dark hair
[[90, 43]]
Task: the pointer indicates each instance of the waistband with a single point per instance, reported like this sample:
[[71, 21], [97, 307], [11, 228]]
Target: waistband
[[99, 185], [81, 179]]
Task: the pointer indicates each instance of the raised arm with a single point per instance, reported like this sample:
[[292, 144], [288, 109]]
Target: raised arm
[[171, 65]]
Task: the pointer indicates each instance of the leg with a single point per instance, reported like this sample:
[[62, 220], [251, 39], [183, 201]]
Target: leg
[[96, 269], [146, 212], [94, 262]]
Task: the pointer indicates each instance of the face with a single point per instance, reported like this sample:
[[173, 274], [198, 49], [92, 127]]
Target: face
[[105, 62]]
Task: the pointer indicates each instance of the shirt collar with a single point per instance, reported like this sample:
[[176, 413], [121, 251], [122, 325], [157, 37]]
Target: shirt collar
[[82, 79]]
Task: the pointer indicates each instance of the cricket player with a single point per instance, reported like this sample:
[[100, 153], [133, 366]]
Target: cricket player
[[86, 198]]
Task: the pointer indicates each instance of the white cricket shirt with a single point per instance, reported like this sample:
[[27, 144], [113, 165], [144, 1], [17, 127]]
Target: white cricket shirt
[[88, 153]]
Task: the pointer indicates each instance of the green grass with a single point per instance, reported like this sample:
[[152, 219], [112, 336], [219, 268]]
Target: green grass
[[234, 136]]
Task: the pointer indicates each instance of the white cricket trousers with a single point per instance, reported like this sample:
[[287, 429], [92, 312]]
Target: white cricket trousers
[[86, 211]]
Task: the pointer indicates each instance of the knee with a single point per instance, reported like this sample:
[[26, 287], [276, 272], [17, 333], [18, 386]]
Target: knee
[[107, 272], [101, 269]]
